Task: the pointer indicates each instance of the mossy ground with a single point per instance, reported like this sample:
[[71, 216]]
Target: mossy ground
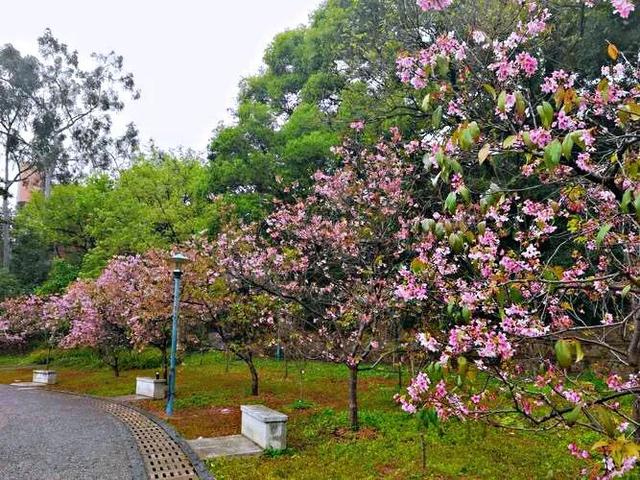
[[320, 444]]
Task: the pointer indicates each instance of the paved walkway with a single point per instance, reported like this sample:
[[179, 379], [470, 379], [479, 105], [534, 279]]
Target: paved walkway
[[50, 436]]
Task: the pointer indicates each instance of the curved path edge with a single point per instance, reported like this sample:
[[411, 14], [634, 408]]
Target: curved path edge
[[196, 462]]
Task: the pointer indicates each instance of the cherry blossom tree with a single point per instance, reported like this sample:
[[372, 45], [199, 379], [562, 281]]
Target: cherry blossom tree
[[129, 306], [245, 320], [529, 259], [142, 287], [95, 321], [30, 318], [333, 255]]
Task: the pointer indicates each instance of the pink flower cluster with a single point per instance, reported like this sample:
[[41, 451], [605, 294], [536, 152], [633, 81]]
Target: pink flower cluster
[[623, 7], [427, 5]]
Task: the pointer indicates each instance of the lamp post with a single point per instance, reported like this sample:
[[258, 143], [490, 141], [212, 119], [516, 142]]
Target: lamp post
[[178, 260]]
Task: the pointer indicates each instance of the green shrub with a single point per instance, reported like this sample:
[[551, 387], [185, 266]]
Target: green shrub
[[77, 358], [87, 358], [275, 453], [145, 359], [39, 357], [62, 273], [302, 404]]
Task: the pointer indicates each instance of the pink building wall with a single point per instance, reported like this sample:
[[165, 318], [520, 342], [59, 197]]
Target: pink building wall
[[27, 187]]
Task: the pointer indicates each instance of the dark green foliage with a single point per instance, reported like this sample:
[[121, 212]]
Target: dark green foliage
[[302, 405], [30, 260], [317, 80], [581, 34], [9, 284], [62, 273]]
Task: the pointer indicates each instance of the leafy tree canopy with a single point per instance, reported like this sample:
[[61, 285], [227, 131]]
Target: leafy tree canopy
[[318, 79]]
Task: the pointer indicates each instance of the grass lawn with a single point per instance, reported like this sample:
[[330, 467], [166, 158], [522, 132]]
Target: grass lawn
[[321, 445]]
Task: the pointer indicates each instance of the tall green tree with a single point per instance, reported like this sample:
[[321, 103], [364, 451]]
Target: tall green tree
[[55, 117], [157, 202]]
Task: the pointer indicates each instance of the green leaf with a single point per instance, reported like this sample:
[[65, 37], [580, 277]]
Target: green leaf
[[484, 153], [502, 101], [436, 117], [442, 64], [636, 203], [428, 224], [572, 417], [456, 242], [450, 202], [602, 233], [552, 154], [434, 180], [521, 105], [465, 194], [548, 114], [509, 141], [545, 111], [567, 146], [577, 138], [466, 139], [417, 266], [475, 130], [454, 165], [490, 90], [425, 102], [578, 351], [626, 200], [563, 353]]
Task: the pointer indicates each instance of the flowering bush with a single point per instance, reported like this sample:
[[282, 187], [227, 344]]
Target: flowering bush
[[536, 242]]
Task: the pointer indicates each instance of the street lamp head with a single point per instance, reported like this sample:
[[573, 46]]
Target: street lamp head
[[178, 260]]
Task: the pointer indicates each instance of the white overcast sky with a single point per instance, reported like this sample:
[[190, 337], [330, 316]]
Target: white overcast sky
[[187, 56]]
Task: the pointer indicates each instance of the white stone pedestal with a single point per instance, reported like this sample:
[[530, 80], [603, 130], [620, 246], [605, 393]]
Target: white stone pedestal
[[151, 387], [48, 377], [264, 426]]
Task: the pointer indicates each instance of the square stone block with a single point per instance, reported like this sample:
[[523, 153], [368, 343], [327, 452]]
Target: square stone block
[[151, 387], [48, 377], [264, 426]]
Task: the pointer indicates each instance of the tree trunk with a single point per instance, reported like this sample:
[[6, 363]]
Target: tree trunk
[[6, 215], [254, 377], [48, 355], [353, 398], [48, 182], [115, 366], [248, 359]]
